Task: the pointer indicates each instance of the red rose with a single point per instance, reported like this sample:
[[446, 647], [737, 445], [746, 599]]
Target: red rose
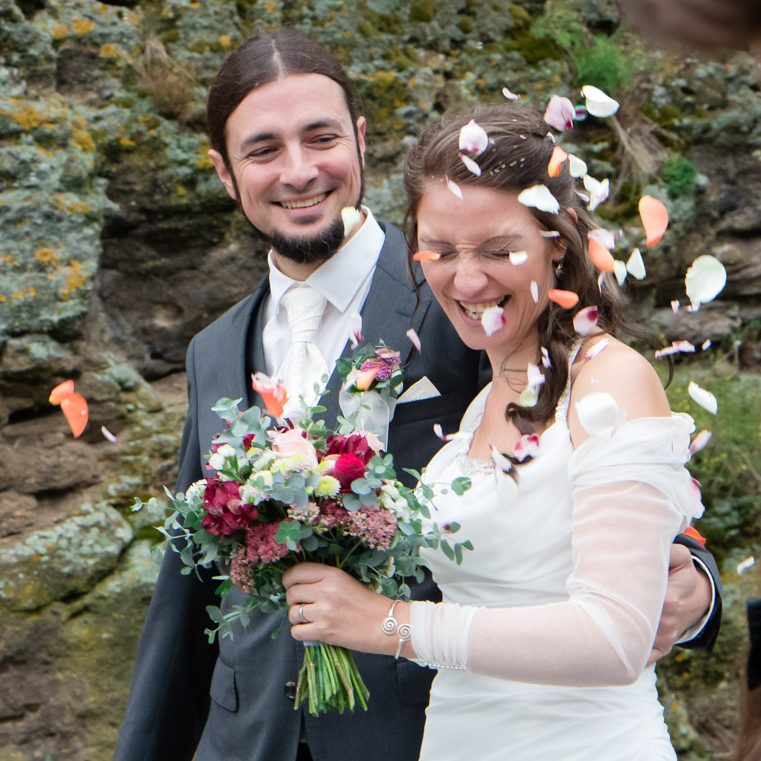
[[348, 467], [355, 444]]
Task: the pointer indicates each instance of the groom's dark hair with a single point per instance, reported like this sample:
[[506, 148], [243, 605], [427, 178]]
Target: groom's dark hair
[[264, 58]]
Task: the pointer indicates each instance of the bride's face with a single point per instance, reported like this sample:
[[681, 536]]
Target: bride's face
[[474, 238]]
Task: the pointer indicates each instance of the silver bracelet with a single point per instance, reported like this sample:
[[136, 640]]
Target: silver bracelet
[[390, 626]]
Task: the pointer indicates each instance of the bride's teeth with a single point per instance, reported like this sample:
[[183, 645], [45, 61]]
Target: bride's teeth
[[304, 204], [475, 311]]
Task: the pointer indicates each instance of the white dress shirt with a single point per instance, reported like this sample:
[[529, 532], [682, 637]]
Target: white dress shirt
[[344, 280]]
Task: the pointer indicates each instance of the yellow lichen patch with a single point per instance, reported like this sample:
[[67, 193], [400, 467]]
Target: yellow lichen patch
[[203, 161], [109, 50], [180, 191], [3, 298], [17, 295], [8, 259], [125, 142], [82, 26], [82, 140], [60, 32], [31, 291], [270, 7], [47, 256], [79, 207], [28, 118], [74, 279], [225, 40]]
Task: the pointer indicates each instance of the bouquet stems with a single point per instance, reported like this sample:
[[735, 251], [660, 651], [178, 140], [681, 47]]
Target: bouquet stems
[[329, 679]]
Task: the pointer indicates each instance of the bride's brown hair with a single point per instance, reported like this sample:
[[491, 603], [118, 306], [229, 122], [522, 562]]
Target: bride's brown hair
[[517, 158]]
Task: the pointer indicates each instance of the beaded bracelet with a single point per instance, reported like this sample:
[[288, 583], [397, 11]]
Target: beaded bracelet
[[390, 626]]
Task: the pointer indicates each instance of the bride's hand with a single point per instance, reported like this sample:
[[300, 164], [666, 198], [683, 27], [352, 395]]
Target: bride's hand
[[328, 605]]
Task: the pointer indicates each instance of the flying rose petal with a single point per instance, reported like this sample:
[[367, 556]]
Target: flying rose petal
[[599, 413], [473, 140], [655, 218], [549, 233], [585, 320], [706, 345], [601, 257], [635, 265], [619, 269], [565, 299], [546, 361], [700, 441], [745, 565], [529, 396], [426, 256], [355, 326], [528, 446], [677, 347], [606, 238], [601, 281], [439, 431], [471, 165], [539, 197], [705, 279], [534, 375], [518, 258], [577, 166], [492, 320], [598, 103], [595, 349], [702, 397], [500, 460], [454, 188], [556, 161], [272, 392], [534, 288], [414, 339], [675, 305], [509, 94], [74, 408], [560, 113], [598, 191], [351, 217], [108, 435], [61, 391]]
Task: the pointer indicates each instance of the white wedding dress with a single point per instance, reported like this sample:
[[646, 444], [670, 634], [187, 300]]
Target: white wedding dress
[[545, 628]]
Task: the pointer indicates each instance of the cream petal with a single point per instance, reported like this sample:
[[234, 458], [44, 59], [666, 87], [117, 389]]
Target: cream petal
[[454, 188], [509, 94], [414, 339], [518, 258], [700, 441], [619, 269], [635, 265], [534, 287], [539, 197], [705, 279], [599, 413], [703, 397], [471, 165], [492, 320], [350, 217], [598, 103], [577, 166]]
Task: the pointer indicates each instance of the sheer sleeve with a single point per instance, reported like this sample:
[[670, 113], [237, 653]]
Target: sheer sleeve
[[631, 496]]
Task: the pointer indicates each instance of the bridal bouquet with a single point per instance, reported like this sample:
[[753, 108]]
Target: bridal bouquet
[[291, 492]]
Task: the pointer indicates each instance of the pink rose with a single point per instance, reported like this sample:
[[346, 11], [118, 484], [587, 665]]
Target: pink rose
[[293, 442]]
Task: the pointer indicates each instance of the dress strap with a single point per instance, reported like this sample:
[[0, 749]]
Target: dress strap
[[561, 410]]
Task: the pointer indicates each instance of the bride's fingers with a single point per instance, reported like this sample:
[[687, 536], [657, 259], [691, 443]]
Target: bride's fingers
[[298, 615]]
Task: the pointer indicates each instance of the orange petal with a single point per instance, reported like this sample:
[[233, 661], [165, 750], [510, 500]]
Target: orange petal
[[426, 256], [600, 256], [693, 533], [566, 299], [556, 161], [655, 218], [74, 408], [61, 391], [273, 393], [365, 379]]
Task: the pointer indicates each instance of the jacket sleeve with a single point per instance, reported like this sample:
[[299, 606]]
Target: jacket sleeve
[[169, 697]]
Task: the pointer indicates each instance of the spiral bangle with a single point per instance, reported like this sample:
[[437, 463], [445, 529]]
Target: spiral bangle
[[390, 626]]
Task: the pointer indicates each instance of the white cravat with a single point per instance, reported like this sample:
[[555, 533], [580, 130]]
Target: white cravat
[[303, 366]]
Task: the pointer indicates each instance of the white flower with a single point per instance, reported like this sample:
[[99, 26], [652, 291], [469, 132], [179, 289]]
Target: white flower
[[217, 459]]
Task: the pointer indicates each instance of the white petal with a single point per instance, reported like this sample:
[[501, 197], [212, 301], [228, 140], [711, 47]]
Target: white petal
[[704, 398], [619, 269], [534, 375], [473, 139], [604, 237], [518, 258], [598, 191], [546, 361], [492, 320], [351, 217], [596, 349], [439, 431], [706, 345], [705, 279], [539, 197], [471, 165], [598, 103], [745, 565], [675, 305], [585, 320], [454, 188], [355, 323], [414, 339], [528, 446], [500, 460], [534, 291], [576, 166], [509, 94], [549, 233], [108, 435], [700, 441], [599, 413], [635, 265]]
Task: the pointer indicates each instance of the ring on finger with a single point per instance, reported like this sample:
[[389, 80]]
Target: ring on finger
[[302, 618]]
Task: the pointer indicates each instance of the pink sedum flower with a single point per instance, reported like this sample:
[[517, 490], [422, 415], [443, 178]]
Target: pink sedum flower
[[375, 526]]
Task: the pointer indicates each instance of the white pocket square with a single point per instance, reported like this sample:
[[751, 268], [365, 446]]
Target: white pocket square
[[423, 389]]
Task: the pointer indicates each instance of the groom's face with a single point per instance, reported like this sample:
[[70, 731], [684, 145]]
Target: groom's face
[[295, 162]]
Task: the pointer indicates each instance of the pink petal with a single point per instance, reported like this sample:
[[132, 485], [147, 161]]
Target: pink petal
[[677, 347], [559, 113], [528, 446], [585, 320], [473, 140], [700, 441], [606, 238], [492, 320], [414, 339], [355, 322], [500, 460], [655, 218]]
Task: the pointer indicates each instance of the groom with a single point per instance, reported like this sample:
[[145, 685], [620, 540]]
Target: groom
[[288, 145]]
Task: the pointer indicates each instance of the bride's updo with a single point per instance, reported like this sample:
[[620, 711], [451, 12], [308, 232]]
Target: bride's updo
[[517, 158]]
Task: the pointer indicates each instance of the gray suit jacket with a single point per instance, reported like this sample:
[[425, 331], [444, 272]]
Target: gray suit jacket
[[233, 700]]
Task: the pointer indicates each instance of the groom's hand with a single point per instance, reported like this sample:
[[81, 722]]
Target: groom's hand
[[688, 597]]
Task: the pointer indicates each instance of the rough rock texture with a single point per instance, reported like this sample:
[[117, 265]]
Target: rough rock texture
[[118, 244]]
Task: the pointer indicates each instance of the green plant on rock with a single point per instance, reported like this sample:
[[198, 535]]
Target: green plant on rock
[[679, 174]]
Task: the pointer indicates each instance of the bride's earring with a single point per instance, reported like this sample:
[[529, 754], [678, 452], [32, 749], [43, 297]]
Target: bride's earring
[[559, 268]]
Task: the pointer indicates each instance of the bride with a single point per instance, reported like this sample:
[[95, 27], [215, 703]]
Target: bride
[[543, 638]]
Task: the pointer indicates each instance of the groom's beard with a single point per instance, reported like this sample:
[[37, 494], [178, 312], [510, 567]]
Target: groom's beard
[[313, 250]]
